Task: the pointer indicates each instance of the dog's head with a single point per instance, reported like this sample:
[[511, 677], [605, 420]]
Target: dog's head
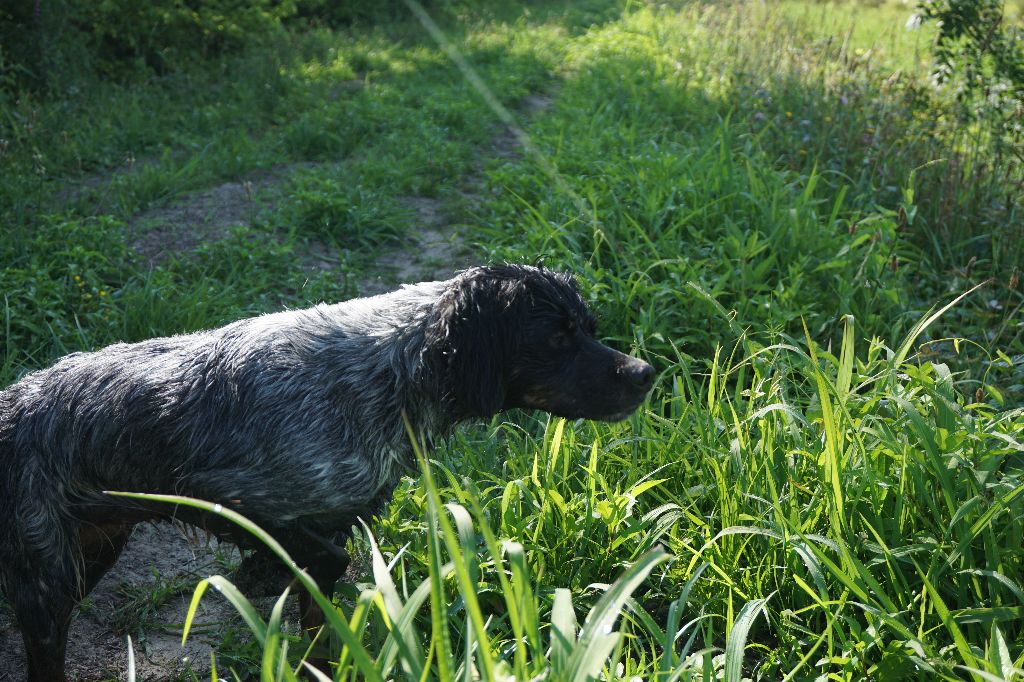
[[518, 336]]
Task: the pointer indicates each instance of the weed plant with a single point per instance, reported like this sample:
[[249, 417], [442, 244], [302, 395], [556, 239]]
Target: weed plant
[[777, 211]]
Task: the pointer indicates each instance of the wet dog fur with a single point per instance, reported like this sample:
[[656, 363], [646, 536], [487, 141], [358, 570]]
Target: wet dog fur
[[293, 419]]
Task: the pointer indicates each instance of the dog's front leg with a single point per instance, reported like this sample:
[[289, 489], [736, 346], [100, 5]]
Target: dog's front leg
[[325, 562]]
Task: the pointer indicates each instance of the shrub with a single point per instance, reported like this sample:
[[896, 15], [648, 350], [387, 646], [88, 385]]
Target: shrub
[[161, 33], [333, 13], [49, 44], [980, 54], [53, 44]]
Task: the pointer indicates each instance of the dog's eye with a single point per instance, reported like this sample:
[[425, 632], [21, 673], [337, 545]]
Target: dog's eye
[[561, 339]]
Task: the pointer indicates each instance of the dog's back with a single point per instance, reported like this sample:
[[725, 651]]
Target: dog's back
[[291, 407]]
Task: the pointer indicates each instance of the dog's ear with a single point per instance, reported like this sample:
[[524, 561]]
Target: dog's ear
[[473, 339]]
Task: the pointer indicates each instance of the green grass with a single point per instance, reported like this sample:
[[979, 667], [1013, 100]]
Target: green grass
[[769, 203], [139, 610]]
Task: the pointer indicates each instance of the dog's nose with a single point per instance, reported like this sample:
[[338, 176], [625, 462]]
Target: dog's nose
[[640, 374]]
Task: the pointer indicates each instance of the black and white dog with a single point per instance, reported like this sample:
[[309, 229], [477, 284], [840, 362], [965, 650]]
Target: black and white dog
[[294, 419]]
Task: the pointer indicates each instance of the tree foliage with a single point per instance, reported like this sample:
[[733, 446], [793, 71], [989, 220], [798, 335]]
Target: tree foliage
[[979, 52], [53, 45]]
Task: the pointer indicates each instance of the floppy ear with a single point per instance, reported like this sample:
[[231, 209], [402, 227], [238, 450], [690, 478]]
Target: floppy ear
[[474, 340]]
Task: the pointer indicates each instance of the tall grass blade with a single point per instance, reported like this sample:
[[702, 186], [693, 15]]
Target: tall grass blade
[[924, 323], [402, 632], [563, 630], [440, 637], [131, 659], [833, 439], [526, 635], [962, 647], [336, 622], [462, 556], [523, 594], [736, 643], [226, 589], [596, 639], [845, 377], [275, 648]]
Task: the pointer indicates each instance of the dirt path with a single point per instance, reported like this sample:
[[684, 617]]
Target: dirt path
[[148, 591], [150, 586]]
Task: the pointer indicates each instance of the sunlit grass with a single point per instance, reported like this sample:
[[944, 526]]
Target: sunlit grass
[[773, 200], [885, 29]]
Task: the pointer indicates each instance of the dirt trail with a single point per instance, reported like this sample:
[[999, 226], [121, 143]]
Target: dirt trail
[[183, 225], [432, 250], [160, 556]]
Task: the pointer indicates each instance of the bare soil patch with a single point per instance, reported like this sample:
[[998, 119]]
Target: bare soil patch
[[507, 144], [157, 556], [164, 232], [148, 591], [433, 251], [183, 225]]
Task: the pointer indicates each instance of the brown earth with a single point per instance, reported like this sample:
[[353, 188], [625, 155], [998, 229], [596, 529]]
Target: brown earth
[[157, 556]]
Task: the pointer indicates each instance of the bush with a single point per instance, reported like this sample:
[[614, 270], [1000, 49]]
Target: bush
[[980, 54], [49, 44], [334, 14], [54, 44], [162, 33], [36, 44]]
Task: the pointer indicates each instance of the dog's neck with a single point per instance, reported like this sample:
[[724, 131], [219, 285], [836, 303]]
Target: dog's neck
[[375, 349]]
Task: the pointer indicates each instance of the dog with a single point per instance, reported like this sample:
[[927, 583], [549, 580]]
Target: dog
[[294, 419]]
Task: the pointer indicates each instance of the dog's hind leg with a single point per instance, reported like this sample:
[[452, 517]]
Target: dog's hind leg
[[41, 595], [100, 545], [261, 574], [326, 562], [43, 590]]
